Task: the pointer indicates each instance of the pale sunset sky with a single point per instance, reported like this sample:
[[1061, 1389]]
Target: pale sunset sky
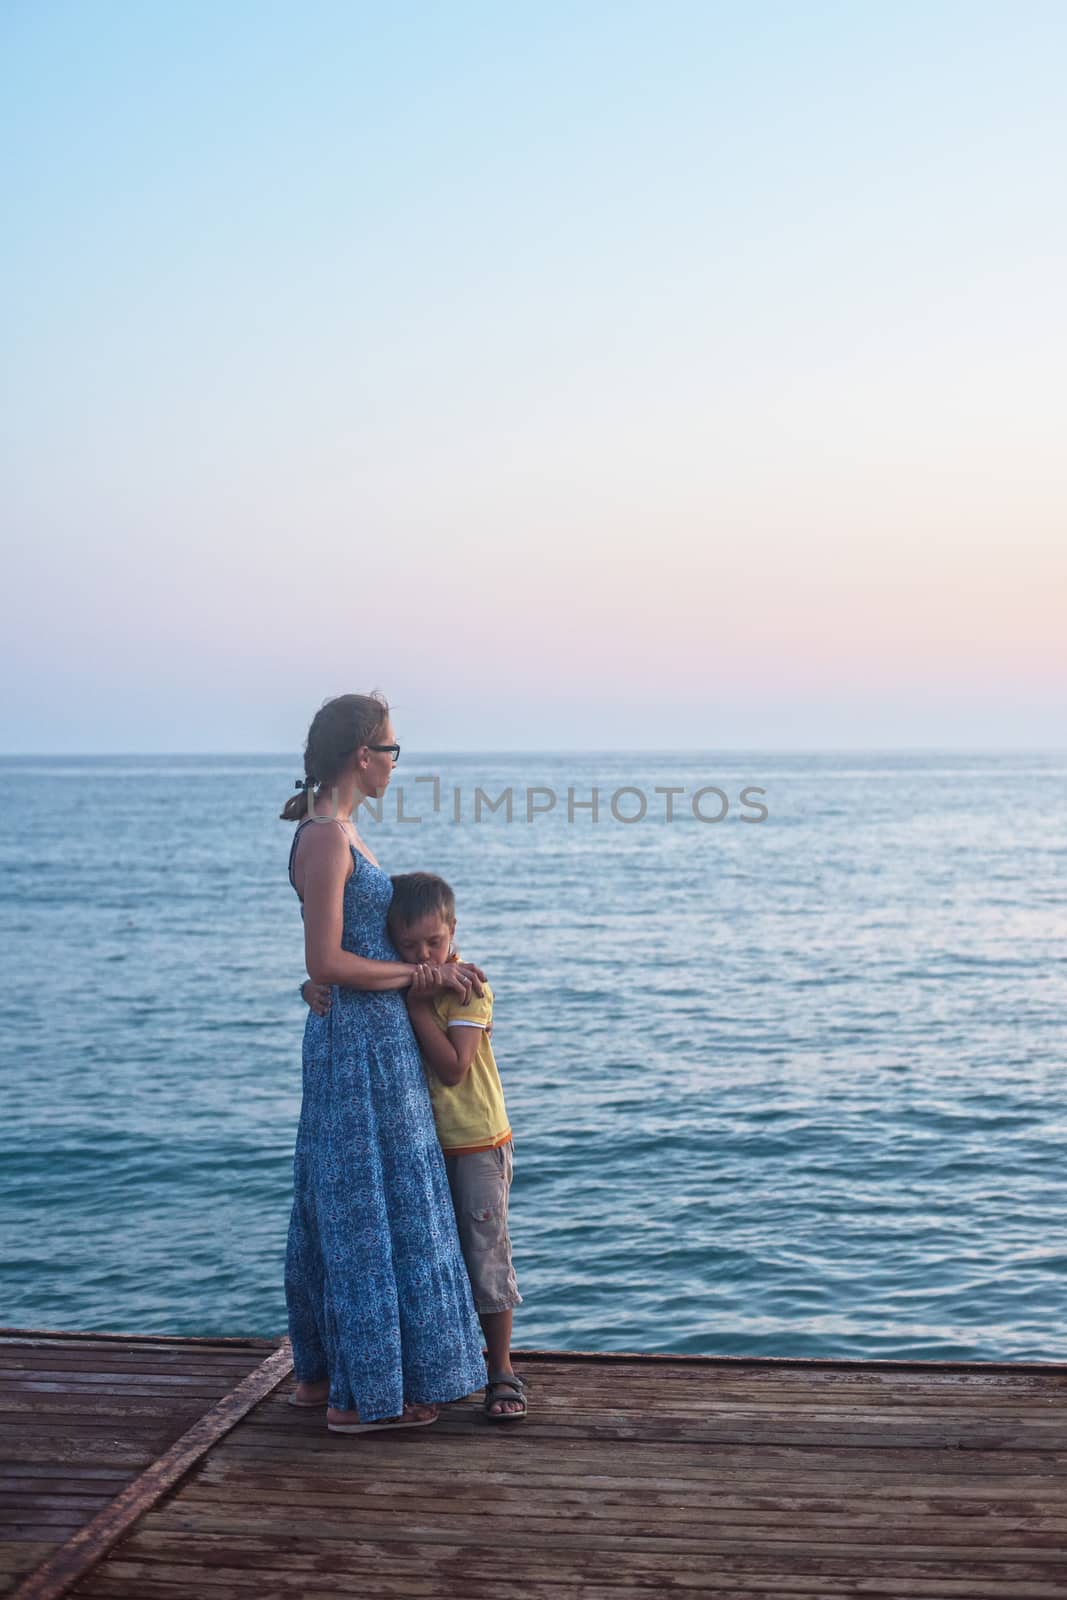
[[656, 375]]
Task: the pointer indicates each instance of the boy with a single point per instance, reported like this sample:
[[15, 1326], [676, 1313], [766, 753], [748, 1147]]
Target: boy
[[472, 1122]]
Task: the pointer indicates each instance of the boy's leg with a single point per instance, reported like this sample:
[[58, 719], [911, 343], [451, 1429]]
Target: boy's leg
[[480, 1185], [496, 1325]]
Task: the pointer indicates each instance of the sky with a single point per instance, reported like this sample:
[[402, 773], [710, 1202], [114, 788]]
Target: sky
[[652, 375]]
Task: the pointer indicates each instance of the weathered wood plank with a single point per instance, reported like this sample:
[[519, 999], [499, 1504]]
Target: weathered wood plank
[[456, 1492], [92, 1542], [143, 1371], [611, 1566], [641, 1360], [967, 1435], [28, 1503], [1019, 1496], [653, 1456], [1029, 1533], [45, 1336], [47, 1474], [130, 1582], [68, 1446], [17, 1558], [83, 1432], [105, 1357], [556, 1406], [109, 1382], [648, 1533], [56, 1448], [89, 1408], [787, 1369], [39, 1516]]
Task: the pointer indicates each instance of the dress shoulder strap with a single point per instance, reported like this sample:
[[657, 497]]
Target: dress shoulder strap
[[292, 849]]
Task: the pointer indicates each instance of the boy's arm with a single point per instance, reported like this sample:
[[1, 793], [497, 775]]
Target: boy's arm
[[318, 996], [448, 1053]]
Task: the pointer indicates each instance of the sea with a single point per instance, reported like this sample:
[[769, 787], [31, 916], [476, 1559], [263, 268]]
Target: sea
[[782, 1038]]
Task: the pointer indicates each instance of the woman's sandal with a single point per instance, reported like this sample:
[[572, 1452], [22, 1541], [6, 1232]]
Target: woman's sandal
[[404, 1421], [504, 1386]]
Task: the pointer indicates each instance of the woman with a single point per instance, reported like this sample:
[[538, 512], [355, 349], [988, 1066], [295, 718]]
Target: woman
[[380, 1312]]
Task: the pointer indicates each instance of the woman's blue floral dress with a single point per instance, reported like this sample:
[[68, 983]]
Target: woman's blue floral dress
[[379, 1299]]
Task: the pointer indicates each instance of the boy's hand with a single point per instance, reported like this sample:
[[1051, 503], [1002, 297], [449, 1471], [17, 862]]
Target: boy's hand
[[317, 996], [424, 980]]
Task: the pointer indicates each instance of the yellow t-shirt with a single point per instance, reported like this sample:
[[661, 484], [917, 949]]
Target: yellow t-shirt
[[469, 1115]]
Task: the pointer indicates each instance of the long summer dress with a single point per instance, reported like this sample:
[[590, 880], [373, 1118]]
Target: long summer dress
[[379, 1299]]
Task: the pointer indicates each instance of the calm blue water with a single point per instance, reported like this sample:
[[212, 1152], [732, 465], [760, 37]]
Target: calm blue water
[[793, 1087]]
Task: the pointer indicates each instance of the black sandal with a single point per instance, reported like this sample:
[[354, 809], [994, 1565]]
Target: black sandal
[[505, 1381]]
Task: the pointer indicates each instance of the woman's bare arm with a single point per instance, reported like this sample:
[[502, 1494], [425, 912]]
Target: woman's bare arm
[[322, 868]]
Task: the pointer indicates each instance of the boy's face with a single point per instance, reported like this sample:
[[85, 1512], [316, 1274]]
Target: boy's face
[[426, 939]]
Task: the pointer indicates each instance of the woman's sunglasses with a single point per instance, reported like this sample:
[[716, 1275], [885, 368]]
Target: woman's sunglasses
[[393, 749]]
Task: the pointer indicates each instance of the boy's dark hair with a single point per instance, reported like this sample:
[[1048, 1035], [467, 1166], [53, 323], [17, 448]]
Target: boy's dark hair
[[420, 894]]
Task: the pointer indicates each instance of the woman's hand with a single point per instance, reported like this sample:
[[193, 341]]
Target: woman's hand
[[453, 977], [474, 975], [458, 977], [316, 995]]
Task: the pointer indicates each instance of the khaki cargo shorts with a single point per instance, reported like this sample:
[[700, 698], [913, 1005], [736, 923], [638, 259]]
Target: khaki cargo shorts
[[480, 1183]]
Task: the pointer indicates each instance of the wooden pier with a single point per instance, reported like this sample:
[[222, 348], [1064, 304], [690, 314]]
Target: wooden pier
[[172, 1469]]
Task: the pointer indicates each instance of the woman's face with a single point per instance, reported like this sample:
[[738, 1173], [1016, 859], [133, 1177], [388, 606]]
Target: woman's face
[[374, 777]]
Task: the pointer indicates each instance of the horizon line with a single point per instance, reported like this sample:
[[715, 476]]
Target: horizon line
[[551, 750]]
